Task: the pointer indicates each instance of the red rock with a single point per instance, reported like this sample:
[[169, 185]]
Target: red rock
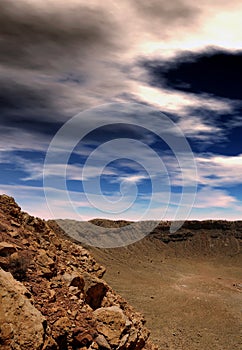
[[95, 290], [7, 248], [82, 338], [21, 324]]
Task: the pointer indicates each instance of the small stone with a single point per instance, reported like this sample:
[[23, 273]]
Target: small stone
[[128, 323], [46, 264], [74, 313], [94, 346], [25, 242], [3, 228], [102, 342], [13, 234], [82, 338], [52, 296], [14, 223], [123, 341], [4, 262]]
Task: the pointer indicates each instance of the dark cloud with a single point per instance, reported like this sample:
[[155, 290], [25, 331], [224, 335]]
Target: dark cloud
[[212, 72], [17, 98], [28, 109], [57, 58], [47, 52], [57, 35], [45, 38]]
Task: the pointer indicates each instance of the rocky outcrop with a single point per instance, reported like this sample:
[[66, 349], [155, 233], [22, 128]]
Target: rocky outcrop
[[211, 228], [52, 294], [22, 325], [111, 322], [208, 237]]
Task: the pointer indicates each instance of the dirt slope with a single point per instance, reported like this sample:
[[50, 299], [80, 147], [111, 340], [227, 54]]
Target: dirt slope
[[188, 285]]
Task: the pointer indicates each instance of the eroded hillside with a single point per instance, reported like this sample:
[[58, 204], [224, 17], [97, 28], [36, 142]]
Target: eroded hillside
[[53, 295]]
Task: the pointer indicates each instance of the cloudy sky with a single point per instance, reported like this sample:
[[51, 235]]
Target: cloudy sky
[[136, 73]]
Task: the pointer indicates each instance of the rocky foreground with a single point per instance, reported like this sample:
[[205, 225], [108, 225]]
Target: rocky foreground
[[52, 295]]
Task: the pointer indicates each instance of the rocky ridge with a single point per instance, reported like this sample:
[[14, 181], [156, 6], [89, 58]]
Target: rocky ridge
[[53, 295], [207, 237]]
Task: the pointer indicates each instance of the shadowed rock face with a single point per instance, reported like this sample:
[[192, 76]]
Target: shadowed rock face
[[52, 295], [201, 238]]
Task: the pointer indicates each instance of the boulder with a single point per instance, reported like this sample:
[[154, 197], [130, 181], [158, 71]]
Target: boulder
[[95, 290], [111, 323], [22, 326]]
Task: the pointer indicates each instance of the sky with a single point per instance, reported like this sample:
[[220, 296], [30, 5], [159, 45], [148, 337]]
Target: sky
[[122, 109]]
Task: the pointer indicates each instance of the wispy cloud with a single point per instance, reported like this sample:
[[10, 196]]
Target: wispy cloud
[[218, 170], [210, 203]]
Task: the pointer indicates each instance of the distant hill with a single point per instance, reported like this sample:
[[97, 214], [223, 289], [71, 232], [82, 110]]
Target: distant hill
[[196, 237]]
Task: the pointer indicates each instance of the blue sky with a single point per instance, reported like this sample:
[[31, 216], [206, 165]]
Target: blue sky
[[125, 69]]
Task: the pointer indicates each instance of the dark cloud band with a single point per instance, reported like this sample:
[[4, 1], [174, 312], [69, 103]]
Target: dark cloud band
[[47, 38], [212, 72]]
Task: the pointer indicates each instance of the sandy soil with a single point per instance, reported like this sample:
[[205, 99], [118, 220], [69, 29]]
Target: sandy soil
[[189, 302]]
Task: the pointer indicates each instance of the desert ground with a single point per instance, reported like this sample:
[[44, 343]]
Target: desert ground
[[189, 291]]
